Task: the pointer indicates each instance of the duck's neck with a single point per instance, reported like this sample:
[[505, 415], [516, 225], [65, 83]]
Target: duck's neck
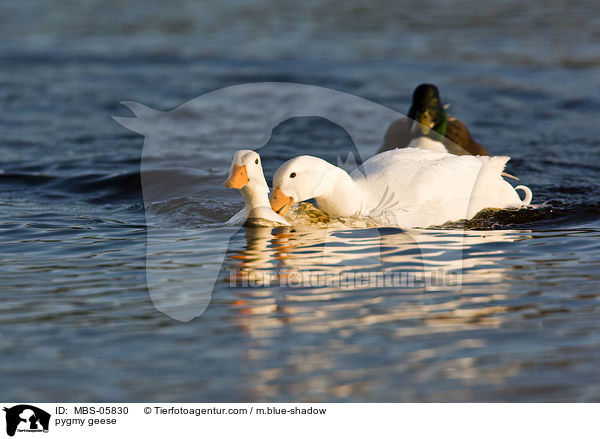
[[255, 195], [438, 132], [442, 126], [338, 194]]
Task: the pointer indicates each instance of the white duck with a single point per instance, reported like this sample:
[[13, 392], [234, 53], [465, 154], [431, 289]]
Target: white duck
[[409, 187], [246, 174]]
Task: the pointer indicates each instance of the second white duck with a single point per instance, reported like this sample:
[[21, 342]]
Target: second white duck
[[410, 187]]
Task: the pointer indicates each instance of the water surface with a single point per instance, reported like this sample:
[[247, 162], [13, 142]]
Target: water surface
[[77, 322]]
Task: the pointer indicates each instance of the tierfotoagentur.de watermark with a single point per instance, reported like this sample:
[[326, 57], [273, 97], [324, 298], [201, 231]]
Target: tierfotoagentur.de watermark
[[347, 280]]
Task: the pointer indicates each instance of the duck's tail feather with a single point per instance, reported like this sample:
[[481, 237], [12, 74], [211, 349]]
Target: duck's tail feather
[[528, 194], [494, 164], [506, 174]]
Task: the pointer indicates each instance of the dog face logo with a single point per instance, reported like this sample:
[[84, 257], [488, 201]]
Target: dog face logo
[[27, 418], [221, 117]]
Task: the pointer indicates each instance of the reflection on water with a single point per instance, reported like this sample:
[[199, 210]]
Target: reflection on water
[[320, 256], [318, 277], [423, 334]]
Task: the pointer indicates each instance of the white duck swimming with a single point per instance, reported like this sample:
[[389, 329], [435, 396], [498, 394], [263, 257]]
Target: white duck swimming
[[246, 174], [409, 187]]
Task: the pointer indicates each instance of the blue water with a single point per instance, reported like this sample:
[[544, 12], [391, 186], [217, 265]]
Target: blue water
[[77, 322]]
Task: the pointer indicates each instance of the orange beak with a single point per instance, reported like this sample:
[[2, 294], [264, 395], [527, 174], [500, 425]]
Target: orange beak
[[280, 202], [238, 177]]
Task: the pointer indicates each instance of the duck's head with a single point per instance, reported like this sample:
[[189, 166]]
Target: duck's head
[[299, 179], [245, 167], [427, 112]]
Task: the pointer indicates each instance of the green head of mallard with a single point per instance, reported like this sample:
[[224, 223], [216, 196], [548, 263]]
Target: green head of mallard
[[427, 112]]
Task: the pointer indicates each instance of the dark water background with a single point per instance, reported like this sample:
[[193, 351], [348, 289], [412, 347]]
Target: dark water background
[[77, 322]]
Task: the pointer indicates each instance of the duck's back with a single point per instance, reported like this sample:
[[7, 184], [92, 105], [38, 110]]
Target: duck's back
[[458, 139], [417, 169], [431, 187]]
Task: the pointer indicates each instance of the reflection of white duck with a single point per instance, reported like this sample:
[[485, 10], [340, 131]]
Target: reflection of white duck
[[246, 174], [323, 257], [411, 187]]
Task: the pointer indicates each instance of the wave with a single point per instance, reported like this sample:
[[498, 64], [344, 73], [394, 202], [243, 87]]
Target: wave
[[534, 217], [94, 188]]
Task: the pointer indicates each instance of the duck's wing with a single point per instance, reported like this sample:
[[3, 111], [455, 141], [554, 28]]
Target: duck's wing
[[397, 135], [389, 178], [459, 141]]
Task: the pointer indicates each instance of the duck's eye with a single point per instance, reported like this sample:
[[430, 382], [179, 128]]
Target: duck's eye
[[292, 175], [256, 161]]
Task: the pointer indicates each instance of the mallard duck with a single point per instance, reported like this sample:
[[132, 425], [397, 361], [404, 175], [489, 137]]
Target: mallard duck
[[246, 174], [428, 124], [410, 187]]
